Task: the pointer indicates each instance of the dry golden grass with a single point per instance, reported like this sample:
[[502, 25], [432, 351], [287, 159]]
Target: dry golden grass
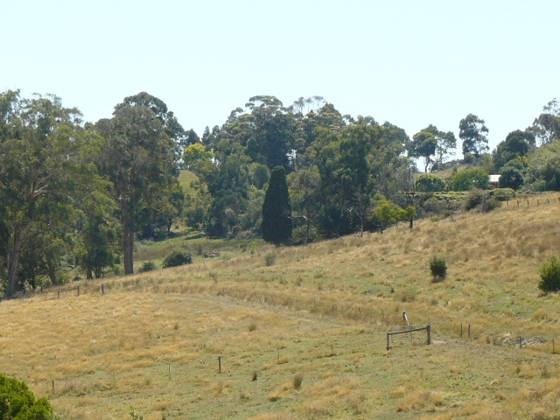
[[151, 343]]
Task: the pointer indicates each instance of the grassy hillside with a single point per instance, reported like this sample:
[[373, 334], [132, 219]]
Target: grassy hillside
[[315, 315]]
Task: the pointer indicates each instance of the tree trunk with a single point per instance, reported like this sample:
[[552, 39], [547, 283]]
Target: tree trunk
[[128, 248], [13, 259], [51, 270]]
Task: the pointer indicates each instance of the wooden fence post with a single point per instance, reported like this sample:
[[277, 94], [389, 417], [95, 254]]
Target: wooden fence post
[[219, 364], [388, 341], [461, 330], [78, 294], [469, 331], [429, 334]]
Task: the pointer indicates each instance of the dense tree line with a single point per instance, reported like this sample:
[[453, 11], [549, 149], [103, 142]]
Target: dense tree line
[[74, 196]]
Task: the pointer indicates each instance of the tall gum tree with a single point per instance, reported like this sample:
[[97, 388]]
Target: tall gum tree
[[140, 159], [41, 171], [474, 134]]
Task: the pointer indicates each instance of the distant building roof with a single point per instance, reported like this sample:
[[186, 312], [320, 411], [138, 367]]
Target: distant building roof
[[494, 179]]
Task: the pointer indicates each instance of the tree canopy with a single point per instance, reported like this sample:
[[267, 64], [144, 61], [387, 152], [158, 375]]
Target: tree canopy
[[76, 196], [473, 132]]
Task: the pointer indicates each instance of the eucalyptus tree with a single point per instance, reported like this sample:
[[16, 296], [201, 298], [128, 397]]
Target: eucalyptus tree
[[141, 161], [356, 162], [42, 177], [547, 125], [474, 134], [432, 145], [273, 132]]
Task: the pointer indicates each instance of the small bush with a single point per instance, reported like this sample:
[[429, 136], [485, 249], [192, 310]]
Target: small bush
[[147, 266], [488, 204], [177, 258], [468, 179], [430, 183], [474, 199], [18, 402], [550, 275], [483, 201], [270, 259], [387, 213], [438, 267], [298, 380], [503, 194], [299, 234]]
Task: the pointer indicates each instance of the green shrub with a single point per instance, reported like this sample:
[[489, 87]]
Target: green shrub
[[550, 173], [550, 275], [387, 213], [147, 266], [18, 402], [438, 267], [474, 199], [177, 258], [468, 179], [503, 194], [489, 203], [432, 205], [481, 200], [299, 234], [430, 183]]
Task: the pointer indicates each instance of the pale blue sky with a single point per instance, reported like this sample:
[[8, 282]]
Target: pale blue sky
[[412, 63]]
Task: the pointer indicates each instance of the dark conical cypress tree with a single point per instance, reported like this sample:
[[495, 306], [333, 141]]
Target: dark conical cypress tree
[[277, 212]]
